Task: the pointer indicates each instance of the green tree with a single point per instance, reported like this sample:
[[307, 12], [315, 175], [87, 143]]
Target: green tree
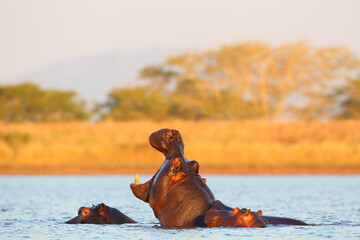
[[350, 99], [261, 81], [27, 102], [63, 106], [134, 104]]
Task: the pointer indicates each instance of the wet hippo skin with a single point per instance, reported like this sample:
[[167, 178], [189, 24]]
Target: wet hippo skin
[[100, 214]]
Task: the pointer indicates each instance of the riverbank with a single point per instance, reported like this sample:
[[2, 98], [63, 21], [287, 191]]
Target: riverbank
[[220, 147], [231, 171]]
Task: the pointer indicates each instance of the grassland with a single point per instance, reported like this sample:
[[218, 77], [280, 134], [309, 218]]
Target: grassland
[[219, 147]]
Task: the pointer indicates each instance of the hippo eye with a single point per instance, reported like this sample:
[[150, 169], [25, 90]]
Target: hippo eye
[[85, 212]]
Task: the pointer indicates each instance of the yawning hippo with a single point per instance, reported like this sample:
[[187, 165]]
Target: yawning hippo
[[100, 214], [177, 193]]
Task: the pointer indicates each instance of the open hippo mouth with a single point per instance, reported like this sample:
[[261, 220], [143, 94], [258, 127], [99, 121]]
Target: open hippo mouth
[[176, 169]]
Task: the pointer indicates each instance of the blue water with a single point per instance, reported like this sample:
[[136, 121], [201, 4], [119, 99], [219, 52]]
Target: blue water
[[36, 207]]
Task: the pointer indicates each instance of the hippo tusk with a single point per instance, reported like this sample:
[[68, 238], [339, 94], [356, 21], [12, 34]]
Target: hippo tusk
[[137, 179]]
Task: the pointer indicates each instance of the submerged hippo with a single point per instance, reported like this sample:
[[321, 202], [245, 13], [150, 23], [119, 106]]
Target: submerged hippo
[[177, 193], [235, 218], [100, 214]]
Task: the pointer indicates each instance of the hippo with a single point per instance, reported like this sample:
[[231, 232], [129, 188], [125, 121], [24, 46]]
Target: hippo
[[100, 214], [177, 193], [235, 218]]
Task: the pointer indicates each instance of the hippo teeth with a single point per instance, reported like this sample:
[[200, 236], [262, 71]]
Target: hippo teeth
[[137, 179]]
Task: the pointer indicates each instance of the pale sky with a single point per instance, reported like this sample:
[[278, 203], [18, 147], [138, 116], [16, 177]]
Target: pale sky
[[37, 33]]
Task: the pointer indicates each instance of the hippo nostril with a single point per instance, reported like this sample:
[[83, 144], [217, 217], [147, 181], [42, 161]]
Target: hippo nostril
[[194, 165]]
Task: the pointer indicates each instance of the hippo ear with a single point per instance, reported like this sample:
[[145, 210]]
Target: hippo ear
[[101, 208], [80, 209], [142, 190]]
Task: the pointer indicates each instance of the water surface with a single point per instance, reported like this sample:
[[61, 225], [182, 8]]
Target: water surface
[[36, 207]]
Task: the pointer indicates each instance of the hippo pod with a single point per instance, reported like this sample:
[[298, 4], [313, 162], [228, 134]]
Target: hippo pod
[[177, 193], [180, 197], [100, 214]]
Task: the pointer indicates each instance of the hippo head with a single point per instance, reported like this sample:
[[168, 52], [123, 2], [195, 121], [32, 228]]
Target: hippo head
[[235, 218], [174, 168], [177, 188], [96, 215]]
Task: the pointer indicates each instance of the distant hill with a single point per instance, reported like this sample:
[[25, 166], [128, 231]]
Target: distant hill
[[93, 77]]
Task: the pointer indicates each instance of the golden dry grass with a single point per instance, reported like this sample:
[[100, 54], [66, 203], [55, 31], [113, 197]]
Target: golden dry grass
[[219, 147]]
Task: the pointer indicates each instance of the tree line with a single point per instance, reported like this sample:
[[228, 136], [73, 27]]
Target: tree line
[[243, 81], [27, 102]]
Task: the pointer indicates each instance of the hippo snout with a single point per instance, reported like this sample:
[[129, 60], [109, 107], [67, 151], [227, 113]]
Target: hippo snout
[[75, 220]]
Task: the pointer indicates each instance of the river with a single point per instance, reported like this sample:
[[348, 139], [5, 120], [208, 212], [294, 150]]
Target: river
[[36, 207]]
